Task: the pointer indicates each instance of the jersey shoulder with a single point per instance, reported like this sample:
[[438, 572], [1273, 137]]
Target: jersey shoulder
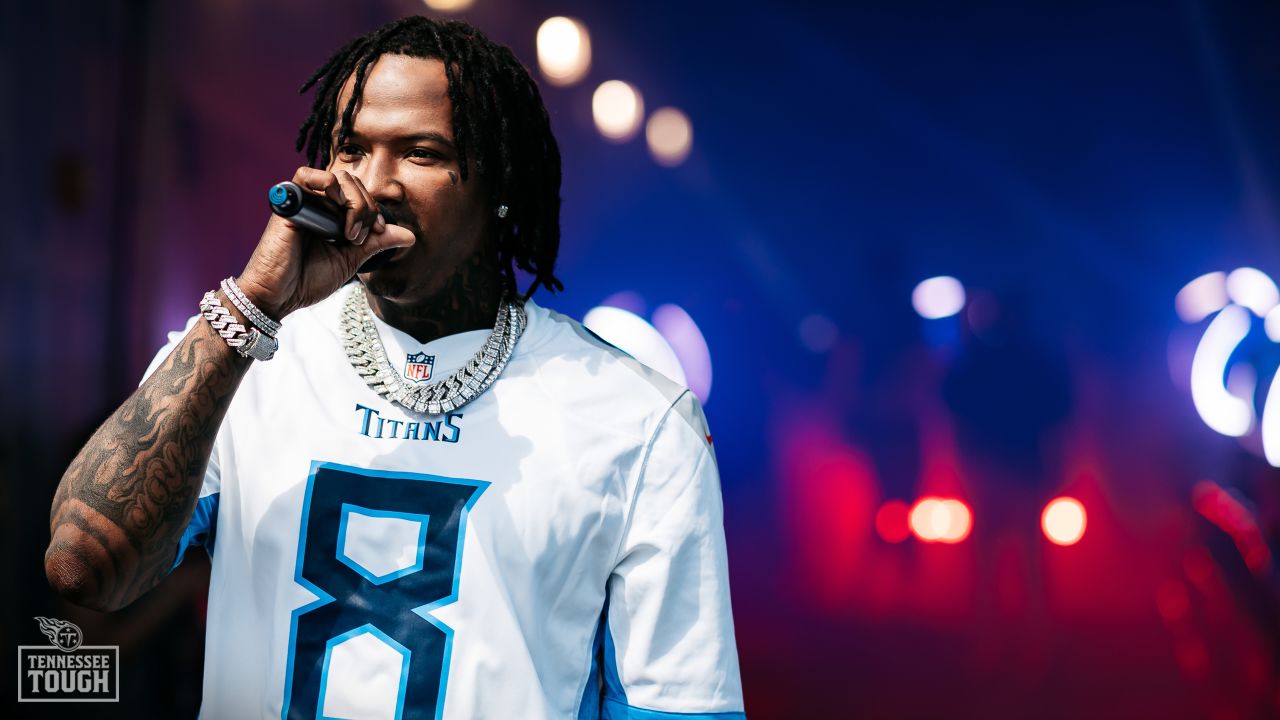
[[600, 381]]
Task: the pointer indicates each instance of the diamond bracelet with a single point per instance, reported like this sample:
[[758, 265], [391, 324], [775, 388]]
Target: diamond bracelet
[[251, 343], [248, 309]]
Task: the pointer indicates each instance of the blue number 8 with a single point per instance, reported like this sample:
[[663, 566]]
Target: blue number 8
[[354, 599]]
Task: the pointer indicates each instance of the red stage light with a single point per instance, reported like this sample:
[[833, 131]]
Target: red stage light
[[891, 521]]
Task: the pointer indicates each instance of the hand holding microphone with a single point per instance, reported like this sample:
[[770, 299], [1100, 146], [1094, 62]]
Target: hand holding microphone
[[288, 200], [288, 269]]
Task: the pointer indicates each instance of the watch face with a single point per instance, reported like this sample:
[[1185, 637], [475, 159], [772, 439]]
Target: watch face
[[260, 346]]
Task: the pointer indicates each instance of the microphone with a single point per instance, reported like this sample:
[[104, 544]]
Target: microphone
[[315, 213], [311, 211], [305, 209]]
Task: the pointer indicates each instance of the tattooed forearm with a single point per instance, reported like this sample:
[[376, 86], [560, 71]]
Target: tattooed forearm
[[124, 501]]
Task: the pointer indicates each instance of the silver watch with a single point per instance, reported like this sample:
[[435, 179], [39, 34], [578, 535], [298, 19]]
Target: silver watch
[[258, 345]]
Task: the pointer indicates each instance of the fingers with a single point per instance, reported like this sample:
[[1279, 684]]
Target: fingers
[[392, 236], [321, 181], [347, 192], [371, 216], [358, 206]]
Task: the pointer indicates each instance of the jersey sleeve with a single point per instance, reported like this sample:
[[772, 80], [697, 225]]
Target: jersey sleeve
[[202, 528], [667, 642]]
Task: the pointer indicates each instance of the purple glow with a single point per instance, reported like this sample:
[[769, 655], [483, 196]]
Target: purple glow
[[626, 300], [636, 337], [690, 347]]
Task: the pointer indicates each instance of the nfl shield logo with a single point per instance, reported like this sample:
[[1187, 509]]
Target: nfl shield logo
[[418, 366]]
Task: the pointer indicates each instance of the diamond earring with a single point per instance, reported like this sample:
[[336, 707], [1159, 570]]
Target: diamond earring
[[502, 211]]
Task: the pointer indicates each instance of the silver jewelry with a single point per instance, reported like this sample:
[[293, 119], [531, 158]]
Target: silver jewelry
[[251, 343], [502, 211], [369, 358], [248, 309]]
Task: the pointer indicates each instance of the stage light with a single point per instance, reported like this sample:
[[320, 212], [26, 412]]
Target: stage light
[[1063, 521], [1270, 424], [818, 334], [449, 5], [959, 521], [1224, 510], [690, 347], [1271, 323], [892, 522], [1253, 289], [670, 136], [938, 297], [617, 108], [564, 50], [934, 519], [1220, 410], [929, 519], [1202, 297], [636, 337]]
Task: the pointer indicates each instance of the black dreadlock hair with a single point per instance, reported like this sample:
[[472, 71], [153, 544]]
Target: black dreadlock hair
[[498, 116]]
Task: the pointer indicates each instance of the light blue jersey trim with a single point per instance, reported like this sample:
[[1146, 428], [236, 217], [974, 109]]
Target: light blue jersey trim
[[589, 708], [614, 710], [201, 530], [614, 705], [613, 689]]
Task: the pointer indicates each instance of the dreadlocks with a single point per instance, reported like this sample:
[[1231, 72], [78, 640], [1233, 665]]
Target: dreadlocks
[[498, 117]]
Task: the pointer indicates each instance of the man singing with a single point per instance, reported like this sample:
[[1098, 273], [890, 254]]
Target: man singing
[[425, 495]]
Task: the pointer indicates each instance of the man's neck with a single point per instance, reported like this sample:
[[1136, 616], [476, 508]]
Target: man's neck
[[470, 302]]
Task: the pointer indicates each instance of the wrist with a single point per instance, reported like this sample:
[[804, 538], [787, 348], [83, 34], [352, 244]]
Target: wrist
[[235, 325], [257, 294]]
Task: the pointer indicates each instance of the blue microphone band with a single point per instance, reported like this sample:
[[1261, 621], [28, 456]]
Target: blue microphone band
[[310, 211]]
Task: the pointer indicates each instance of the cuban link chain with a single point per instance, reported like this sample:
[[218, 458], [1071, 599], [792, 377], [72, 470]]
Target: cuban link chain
[[365, 352]]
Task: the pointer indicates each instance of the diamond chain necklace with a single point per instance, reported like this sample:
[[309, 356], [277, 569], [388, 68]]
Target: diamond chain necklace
[[369, 358]]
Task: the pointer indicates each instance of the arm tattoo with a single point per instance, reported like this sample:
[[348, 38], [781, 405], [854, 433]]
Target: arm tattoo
[[124, 502]]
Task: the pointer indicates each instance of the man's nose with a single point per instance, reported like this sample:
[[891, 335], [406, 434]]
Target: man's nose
[[379, 176]]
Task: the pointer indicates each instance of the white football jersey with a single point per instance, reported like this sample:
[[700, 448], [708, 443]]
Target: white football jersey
[[553, 549]]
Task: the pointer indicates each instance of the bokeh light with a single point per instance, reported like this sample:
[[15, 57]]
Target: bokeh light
[[1269, 426], [959, 521], [627, 300], [1063, 521], [669, 135], [617, 109], [938, 297], [928, 519], [449, 5], [1271, 323], [892, 521], [1202, 297], [635, 336], [690, 347], [564, 50], [1219, 409], [944, 520], [1253, 289], [817, 333]]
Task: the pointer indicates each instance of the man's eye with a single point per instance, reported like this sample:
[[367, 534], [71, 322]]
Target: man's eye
[[348, 150], [421, 153]]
